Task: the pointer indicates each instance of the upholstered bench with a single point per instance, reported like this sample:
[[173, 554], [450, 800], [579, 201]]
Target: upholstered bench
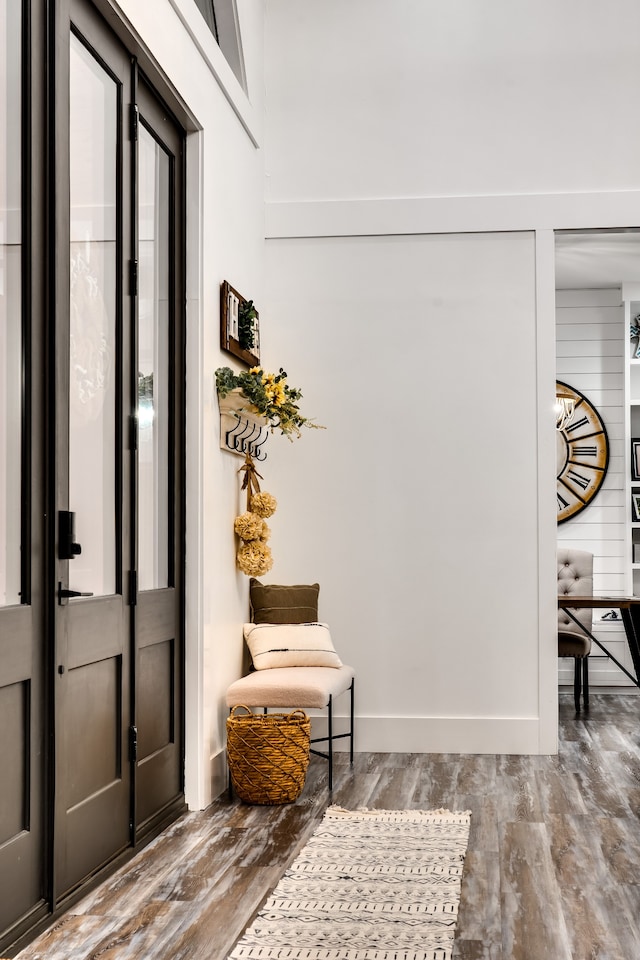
[[296, 663]]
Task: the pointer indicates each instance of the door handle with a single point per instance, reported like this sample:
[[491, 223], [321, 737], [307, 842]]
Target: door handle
[[65, 594]]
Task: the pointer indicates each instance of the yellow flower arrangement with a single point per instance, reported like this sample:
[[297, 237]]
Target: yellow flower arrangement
[[270, 395]]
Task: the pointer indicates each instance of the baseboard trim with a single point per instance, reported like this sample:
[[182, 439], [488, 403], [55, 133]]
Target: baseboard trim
[[505, 735], [219, 773], [519, 735]]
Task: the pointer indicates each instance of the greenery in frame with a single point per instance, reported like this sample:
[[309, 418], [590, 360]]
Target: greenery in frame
[[247, 314]]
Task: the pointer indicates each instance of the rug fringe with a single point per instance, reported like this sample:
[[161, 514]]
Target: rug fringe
[[398, 815]]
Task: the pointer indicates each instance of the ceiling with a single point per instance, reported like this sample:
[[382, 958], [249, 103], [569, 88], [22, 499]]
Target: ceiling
[[596, 258]]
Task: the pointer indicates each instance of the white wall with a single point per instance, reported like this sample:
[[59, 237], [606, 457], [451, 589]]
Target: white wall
[[225, 241], [417, 508], [398, 98], [430, 119]]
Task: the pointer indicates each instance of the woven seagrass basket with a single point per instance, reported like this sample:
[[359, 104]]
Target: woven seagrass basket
[[268, 754]]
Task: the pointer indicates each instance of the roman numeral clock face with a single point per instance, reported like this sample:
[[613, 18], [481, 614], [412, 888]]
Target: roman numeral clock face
[[582, 457]]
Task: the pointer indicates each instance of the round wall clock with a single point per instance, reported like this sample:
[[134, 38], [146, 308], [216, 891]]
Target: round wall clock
[[582, 456]]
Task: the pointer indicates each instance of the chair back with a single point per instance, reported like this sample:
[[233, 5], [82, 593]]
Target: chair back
[[575, 576]]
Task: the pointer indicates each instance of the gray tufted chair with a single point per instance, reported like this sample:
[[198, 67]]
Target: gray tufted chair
[[575, 576]]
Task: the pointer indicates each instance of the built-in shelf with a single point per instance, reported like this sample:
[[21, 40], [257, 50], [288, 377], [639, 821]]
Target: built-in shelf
[[242, 430], [631, 304]]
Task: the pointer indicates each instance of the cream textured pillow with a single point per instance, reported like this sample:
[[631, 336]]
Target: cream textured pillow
[[290, 645]]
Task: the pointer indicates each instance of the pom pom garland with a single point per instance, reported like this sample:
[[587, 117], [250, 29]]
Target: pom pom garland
[[249, 526], [254, 558], [264, 504]]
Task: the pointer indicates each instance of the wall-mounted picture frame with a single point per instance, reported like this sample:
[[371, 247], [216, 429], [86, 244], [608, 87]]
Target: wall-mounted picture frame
[[635, 507], [239, 326], [635, 458]]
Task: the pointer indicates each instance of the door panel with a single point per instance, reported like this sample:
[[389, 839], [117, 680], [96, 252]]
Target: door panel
[[10, 414], [10, 300], [94, 152], [154, 315], [95, 628], [20, 857], [93, 682], [158, 617], [93, 739], [14, 756], [156, 694], [93, 732]]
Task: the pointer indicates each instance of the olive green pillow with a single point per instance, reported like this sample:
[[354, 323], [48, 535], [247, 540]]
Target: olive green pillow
[[276, 603]]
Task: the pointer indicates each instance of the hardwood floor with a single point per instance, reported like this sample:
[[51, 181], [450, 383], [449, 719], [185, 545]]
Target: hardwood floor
[[552, 870]]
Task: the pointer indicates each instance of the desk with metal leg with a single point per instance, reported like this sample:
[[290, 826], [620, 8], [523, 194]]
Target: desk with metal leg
[[629, 607]]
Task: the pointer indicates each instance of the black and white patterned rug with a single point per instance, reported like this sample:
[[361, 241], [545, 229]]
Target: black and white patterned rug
[[369, 885]]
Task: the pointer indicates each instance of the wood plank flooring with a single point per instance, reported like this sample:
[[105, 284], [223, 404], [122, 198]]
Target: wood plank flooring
[[552, 871]]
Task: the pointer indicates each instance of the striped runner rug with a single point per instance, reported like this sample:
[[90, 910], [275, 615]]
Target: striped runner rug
[[369, 885]]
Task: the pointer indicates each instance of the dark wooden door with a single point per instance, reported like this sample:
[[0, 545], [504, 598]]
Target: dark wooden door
[[93, 456], [23, 671], [158, 481], [120, 461], [92, 385]]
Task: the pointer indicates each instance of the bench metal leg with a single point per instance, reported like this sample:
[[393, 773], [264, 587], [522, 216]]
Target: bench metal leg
[[353, 683], [331, 736], [330, 742]]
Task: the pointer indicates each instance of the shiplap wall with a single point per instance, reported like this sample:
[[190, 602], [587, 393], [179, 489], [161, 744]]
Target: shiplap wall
[[590, 358]]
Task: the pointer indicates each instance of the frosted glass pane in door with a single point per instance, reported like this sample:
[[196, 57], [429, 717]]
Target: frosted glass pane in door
[[10, 302], [92, 320], [154, 252]]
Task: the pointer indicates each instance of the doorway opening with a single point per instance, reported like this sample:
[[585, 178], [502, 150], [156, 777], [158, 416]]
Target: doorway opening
[[597, 299]]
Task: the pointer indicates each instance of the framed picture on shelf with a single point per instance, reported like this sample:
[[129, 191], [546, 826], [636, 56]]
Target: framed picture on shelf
[[635, 458], [635, 507], [239, 326]]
